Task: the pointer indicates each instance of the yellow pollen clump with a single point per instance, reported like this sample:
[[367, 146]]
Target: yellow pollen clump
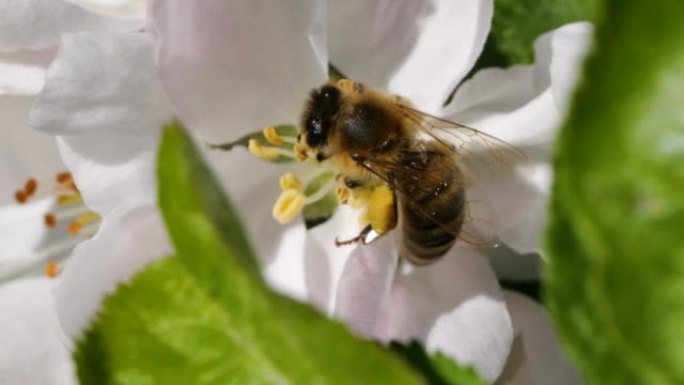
[[360, 197], [290, 181], [288, 205], [272, 136], [300, 152], [346, 85], [265, 153], [381, 214]]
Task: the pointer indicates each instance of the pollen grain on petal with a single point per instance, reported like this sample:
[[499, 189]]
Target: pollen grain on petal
[[289, 204]]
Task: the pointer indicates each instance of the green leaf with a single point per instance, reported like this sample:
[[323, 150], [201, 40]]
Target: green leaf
[[436, 368], [616, 269], [518, 23], [206, 316]]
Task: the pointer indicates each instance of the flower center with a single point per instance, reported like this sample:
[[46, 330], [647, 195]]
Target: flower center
[[68, 221], [316, 187]]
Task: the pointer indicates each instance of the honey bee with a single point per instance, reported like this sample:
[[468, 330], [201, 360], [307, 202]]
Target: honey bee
[[375, 138]]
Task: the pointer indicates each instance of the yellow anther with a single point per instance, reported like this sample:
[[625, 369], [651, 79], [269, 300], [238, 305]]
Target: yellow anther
[[288, 205], [87, 218], [272, 136], [69, 199], [265, 153], [346, 85], [342, 194], [290, 181], [381, 213], [300, 152]]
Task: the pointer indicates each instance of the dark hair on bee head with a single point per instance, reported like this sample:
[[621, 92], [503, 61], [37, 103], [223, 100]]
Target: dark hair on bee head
[[319, 115]]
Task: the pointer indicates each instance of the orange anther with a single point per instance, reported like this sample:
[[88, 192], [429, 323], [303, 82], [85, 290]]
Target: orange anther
[[30, 187], [50, 220], [20, 196], [74, 228], [63, 177], [51, 270]]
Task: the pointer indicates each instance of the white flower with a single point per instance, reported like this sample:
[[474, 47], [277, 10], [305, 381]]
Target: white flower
[[229, 68], [32, 349]]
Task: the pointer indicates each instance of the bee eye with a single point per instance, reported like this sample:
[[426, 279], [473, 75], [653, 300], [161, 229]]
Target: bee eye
[[322, 112]]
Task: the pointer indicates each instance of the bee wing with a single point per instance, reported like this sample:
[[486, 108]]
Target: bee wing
[[476, 149], [481, 158]]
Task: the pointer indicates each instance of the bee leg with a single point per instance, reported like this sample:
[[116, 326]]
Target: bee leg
[[361, 238]]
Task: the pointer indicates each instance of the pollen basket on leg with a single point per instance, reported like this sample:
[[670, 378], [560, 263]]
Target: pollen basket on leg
[[68, 222]]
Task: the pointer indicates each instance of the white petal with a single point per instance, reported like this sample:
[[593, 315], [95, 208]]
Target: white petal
[[366, 286], [32, 352], [102, 82], [23, 72], [235, 67], [112, 170], [24, 153], [325, 261], [518, 106], [22, 231], [123, 8], [570, 45], [126, 242], [454, 306], [419, 49], [536, 358], [103, 96], [38, 24]]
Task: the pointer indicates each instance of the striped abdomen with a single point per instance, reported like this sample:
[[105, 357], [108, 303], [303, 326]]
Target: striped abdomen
[[432, 208]]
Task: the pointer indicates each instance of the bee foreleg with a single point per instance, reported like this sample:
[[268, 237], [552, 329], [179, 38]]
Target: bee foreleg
[[361, 238]]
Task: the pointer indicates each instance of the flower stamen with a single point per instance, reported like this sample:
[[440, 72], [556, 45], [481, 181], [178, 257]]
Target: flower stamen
[[268, 153], [67, 204], [63, 185], [291, 181], [289, 204]]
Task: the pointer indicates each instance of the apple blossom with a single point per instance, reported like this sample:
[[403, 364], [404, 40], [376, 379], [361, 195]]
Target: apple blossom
[[33, 217], [228, 69]]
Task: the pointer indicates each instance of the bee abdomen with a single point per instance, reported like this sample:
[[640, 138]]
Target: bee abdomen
[[426, 237]]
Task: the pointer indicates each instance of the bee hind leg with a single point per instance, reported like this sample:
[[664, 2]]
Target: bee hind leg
[[361, 238]]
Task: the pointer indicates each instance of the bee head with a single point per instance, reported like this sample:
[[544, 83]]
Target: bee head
[[319, 115]]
